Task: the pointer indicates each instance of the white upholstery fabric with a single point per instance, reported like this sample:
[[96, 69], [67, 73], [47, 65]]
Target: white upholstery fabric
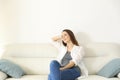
[[31, 77], [33, 65], [118, 75], [45, 77], [98, 54], [94, 77], [31, 50], [35, 58], [114, 79], [2, 75]]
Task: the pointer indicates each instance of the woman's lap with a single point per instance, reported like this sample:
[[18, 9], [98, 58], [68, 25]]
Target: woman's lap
[[67, 74]]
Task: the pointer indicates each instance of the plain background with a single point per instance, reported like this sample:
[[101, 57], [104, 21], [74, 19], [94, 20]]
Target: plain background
[[36, 21]]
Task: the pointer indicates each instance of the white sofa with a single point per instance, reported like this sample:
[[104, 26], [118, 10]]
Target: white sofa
[[35, 58]]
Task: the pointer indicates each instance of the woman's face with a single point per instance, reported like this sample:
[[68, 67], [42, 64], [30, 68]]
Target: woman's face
[[65, 37]]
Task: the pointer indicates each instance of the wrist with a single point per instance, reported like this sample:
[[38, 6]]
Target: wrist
[[62, 68]]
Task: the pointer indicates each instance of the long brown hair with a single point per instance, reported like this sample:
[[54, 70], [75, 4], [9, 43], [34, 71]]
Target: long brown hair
[[72, 37]]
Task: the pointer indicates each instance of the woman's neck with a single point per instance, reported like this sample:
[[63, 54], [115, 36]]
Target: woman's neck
[[69, 46]]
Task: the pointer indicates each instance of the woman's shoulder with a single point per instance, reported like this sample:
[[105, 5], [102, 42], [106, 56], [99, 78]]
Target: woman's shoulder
[[79, 49]]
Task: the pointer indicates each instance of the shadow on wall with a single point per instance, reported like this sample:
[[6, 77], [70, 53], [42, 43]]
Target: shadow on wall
[[83, 38]]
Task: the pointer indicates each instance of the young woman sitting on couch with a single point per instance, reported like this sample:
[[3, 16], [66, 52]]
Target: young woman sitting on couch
[[69, 64]]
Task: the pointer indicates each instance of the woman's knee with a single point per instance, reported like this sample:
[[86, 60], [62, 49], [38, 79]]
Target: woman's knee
[[54, 63]]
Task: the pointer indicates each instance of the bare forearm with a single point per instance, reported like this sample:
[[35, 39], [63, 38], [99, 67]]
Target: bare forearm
[[69, 65], [56, 38]]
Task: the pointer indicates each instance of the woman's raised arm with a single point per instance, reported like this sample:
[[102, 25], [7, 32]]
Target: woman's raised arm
[[56, 38]]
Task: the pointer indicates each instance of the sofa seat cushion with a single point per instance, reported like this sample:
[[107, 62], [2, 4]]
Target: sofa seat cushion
[[114, 79], [94, 77], [32, 66], [45, 77], [30, 77]]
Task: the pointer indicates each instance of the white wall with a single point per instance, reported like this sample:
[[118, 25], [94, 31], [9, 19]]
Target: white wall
[[36, 21], [8, 21]]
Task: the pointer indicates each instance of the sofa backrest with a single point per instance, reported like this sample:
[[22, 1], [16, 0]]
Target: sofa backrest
[[35, 58], [98, 54]]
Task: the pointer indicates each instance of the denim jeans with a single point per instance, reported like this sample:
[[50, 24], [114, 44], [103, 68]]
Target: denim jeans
[[57, 74]]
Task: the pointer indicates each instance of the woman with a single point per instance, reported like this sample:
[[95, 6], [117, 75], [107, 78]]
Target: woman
[[69, 65]]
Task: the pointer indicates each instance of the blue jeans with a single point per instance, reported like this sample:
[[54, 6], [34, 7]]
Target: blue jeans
[[57, 74]]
